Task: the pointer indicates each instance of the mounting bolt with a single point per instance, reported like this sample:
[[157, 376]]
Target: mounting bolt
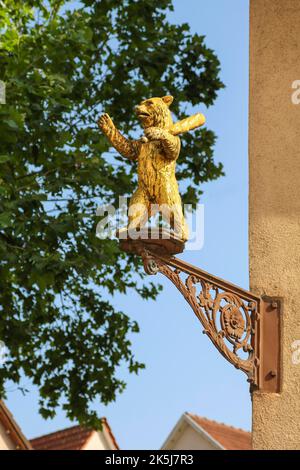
[[273, 373], [274, 304]]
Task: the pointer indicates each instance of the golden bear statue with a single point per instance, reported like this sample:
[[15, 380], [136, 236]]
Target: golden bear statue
[[156, 154]]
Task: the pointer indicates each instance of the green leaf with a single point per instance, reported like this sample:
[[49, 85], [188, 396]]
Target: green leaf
[[5, 220], [12, 124]]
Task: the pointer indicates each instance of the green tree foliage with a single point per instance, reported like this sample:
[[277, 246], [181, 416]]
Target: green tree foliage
[[62, 67]]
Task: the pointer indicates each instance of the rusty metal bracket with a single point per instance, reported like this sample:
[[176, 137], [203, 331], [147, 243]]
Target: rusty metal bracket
[[244, 327], [269, 336]]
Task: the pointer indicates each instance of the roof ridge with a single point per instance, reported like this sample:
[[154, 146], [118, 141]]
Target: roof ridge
[[218, 422], [110, 433]]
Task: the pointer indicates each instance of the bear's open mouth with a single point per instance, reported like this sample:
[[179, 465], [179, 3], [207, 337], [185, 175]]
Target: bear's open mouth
[[142, 113]]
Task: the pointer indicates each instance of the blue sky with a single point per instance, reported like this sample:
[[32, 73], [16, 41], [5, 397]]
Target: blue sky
[[183, 371]]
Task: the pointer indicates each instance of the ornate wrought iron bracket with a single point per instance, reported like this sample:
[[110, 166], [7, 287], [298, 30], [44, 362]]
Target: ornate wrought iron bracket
[[244, 327]]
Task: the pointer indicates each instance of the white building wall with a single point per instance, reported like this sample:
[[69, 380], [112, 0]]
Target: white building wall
[[98, 441], [5, 441], [189, 439]]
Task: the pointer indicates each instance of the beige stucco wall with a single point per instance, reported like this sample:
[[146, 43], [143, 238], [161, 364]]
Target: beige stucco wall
[[274, 232], [5, 441]]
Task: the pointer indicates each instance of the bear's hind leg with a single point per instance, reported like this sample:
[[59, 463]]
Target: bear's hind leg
[[173, 215], [139, 210]]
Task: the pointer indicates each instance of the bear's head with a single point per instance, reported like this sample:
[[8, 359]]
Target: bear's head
[[154, 112]]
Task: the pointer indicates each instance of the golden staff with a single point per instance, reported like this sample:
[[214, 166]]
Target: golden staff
[[185, 125], [188, 124]]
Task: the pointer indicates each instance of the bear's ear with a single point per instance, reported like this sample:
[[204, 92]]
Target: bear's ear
[[168, 100]]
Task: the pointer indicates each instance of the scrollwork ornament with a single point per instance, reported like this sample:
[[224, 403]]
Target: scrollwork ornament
[[225, 316], [151, 265], [233, 321]]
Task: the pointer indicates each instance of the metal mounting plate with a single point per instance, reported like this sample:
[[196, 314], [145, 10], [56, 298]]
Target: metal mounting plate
[[270, 345]]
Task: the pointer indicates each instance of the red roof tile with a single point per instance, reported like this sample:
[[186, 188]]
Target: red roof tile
[[229, 437], [68, 439], [73, 438]]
